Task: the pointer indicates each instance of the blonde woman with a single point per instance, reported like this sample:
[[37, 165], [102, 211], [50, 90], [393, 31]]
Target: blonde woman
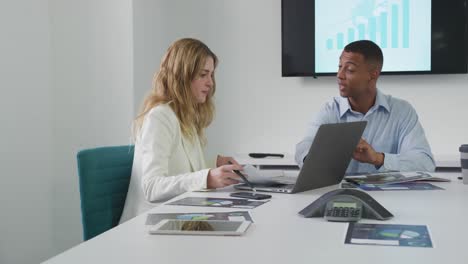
[[169, 131]]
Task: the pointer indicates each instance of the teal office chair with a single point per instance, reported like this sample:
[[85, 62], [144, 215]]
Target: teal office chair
[[104, 175]]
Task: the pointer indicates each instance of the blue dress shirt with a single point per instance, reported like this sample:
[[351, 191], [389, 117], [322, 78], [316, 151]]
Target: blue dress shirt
[[392, 128]]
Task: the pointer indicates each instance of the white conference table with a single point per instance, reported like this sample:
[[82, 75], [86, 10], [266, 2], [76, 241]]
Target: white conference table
[[280, 235]]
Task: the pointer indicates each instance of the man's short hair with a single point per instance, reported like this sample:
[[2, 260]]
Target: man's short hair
[[371, 52]]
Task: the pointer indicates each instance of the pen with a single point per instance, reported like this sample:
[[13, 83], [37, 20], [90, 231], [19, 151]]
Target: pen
[[244, 178]]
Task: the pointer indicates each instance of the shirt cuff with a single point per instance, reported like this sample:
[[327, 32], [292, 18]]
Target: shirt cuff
[[204, 178], [391, 162], [198, 181]]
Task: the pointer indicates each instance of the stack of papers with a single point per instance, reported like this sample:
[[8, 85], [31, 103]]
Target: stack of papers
[[393, 177], [404, 186], [218, 202], [153, 219], [257, 176]]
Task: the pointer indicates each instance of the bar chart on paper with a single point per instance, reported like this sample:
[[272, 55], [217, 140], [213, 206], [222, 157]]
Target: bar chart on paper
[[402, 28]]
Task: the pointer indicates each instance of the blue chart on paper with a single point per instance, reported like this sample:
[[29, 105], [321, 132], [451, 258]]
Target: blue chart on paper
[[388, 235]]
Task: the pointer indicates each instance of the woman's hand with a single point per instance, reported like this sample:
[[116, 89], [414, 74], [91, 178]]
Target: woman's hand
[[223, 176], [223, 160]]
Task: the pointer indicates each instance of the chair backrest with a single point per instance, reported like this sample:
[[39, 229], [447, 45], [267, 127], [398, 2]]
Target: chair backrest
[[104, 175]]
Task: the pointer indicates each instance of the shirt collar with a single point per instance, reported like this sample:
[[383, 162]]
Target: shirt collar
[[380, 101], [344, 105]]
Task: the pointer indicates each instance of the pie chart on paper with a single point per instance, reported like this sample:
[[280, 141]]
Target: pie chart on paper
[[407, 234], [218, 203]]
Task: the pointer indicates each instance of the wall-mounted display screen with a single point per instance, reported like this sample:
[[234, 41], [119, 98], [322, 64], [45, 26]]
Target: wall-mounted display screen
[[416, 36]]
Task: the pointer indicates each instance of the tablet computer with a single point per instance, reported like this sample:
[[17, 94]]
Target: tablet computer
[[205, 227]]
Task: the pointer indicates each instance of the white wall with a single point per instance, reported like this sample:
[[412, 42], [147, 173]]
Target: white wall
[[257, 109], [26, 132], [93, 95], [66, 74]]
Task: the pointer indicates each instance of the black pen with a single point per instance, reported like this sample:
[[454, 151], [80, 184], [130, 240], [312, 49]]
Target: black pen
[[243, 178]]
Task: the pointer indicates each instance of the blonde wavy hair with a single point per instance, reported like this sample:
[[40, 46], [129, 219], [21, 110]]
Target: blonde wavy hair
[[182, 63]]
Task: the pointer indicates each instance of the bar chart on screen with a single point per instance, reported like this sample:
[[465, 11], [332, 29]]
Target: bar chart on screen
[[400, 27]]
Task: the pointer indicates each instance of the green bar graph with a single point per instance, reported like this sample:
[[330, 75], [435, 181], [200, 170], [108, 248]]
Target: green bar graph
[[362, 31], [351, 35], [387, 28], [373, 29], [329, 44], [406, 18], [383, 30], [340, 41], [394, 26]]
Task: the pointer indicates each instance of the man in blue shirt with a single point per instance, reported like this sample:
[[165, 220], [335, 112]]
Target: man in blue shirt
[[393, 139]]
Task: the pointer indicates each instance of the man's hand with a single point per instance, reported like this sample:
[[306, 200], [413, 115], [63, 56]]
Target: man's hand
[[366, 153]]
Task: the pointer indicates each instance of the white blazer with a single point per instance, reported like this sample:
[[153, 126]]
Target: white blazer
[[165, 163]]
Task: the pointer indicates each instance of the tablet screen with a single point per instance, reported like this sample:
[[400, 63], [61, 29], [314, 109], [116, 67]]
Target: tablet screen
[[181, 225]]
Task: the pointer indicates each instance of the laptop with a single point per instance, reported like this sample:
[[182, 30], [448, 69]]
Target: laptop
[[327, 160]]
